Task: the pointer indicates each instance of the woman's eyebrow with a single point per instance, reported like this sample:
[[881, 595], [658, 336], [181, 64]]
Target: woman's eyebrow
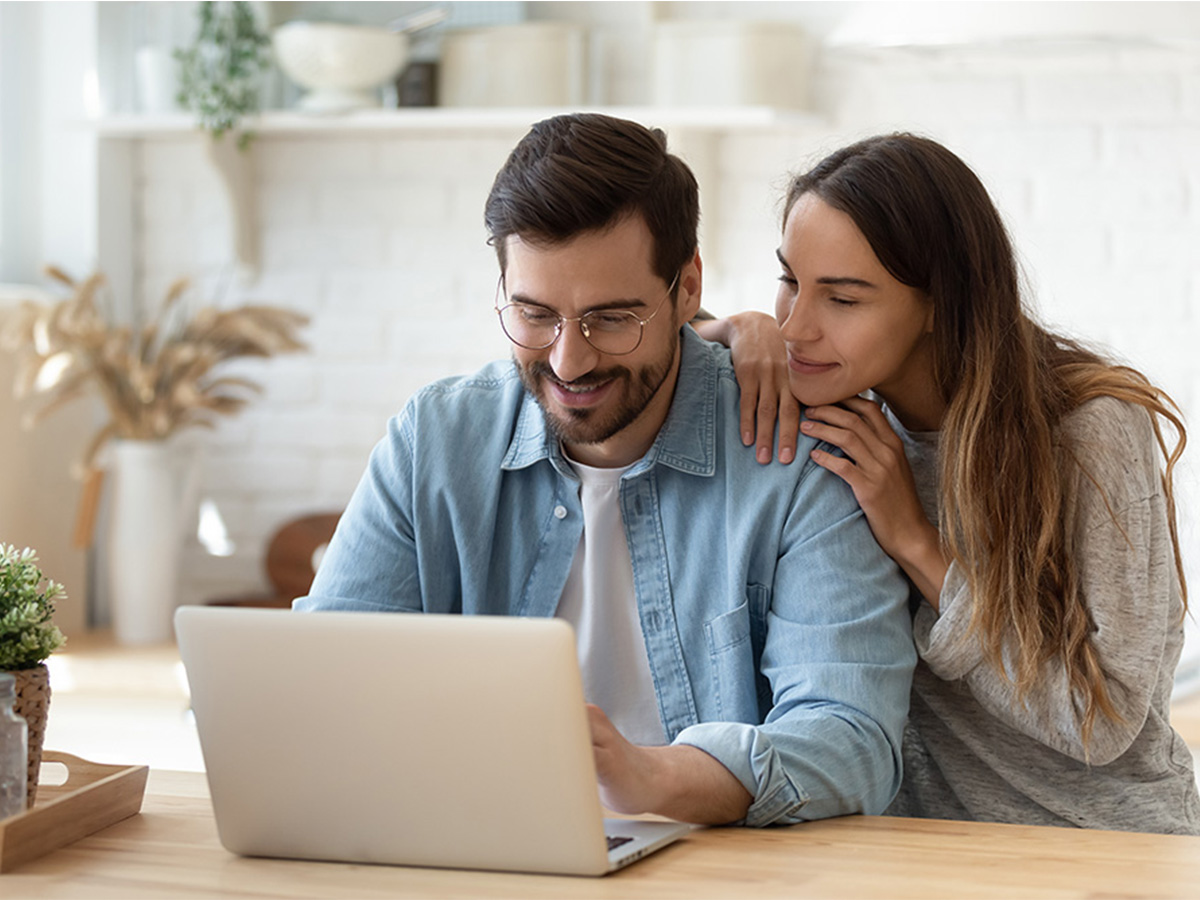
[[847, 281], [834, 280]]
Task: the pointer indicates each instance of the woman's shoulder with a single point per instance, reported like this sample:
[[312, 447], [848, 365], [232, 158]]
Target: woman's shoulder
[[1109, 419], [1114, 443]]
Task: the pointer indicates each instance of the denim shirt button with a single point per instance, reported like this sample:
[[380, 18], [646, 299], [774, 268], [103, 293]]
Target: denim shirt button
[[560, 512]]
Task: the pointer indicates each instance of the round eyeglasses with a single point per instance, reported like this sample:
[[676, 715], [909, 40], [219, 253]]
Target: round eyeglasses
[[614, 332]]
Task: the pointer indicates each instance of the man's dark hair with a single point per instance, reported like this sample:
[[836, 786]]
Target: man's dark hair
[[585, 172]]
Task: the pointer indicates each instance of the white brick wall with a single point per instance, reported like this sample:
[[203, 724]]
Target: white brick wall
[[1092, 153]]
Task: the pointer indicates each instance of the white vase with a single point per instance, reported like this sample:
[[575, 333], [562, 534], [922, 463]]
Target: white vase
[[156, 80], [152, 492]]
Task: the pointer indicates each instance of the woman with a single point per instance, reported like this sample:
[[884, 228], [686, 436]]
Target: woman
[[1014, 476]]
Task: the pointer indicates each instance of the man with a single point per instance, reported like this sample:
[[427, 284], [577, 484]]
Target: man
[[744, 642]]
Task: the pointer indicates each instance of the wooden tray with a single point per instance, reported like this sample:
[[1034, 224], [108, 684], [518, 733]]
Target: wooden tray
[[94, 796]]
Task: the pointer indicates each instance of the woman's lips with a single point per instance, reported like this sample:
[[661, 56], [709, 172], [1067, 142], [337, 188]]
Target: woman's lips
[[809, 367]]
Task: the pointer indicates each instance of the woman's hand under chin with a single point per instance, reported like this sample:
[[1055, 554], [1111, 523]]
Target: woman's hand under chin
[[878, 472], [760, 364]]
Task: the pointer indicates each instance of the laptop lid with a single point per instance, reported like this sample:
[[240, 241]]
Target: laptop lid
[[431, 740]]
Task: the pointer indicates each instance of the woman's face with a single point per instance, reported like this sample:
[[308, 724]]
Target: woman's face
[[848, 324]]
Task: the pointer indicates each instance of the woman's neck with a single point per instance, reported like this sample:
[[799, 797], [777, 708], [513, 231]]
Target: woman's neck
[[917, 416], [913, 396]]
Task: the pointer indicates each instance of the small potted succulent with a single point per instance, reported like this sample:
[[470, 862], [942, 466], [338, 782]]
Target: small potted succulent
[[28, 636]]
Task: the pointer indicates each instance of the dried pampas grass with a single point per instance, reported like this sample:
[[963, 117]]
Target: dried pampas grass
[[154, 379]]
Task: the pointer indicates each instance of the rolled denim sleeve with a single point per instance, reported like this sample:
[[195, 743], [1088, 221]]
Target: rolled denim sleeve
[[839, 657], [748, 753]]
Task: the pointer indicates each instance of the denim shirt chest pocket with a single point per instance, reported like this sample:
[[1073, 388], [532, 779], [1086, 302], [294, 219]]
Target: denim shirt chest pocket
[[735, 644]]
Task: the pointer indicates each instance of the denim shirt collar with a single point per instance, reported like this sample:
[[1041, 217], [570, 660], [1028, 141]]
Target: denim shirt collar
[[686, 441]]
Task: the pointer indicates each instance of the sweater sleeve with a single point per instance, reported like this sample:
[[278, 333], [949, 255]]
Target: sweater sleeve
[[1122, 544]]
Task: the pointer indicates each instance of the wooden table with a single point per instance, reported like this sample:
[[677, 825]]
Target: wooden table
[[171, 850]]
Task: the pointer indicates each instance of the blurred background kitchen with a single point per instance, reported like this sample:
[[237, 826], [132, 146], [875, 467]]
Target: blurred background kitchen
[[360, 205]]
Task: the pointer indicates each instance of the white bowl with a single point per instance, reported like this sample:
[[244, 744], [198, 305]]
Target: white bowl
[[341, 65]]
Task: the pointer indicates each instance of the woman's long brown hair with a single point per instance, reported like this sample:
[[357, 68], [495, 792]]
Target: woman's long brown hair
[[1005, 471]]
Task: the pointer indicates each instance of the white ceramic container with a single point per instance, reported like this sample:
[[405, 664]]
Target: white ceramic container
[[340, 65], [531, 64]]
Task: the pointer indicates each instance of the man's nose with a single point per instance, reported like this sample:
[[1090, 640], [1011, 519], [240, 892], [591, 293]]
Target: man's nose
[[572, 356]]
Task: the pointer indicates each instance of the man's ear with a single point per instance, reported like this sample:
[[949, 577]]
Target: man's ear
[[691, 279]]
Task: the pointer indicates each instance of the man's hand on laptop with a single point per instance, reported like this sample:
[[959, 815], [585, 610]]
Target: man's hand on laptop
[[677, 781]]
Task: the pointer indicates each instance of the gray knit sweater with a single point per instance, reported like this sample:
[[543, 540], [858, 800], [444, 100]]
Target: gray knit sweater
[[972, 752]]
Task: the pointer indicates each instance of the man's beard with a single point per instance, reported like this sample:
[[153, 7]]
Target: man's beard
[[594, 426]]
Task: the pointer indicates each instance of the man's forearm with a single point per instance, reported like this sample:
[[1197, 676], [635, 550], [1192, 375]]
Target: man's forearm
[[680, 781], [695, 787]]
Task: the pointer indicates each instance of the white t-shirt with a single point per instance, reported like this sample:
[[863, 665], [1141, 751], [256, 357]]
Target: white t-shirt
[[600, 603]]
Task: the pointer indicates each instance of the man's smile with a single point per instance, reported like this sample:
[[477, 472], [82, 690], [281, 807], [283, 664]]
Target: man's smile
[[580, 393]]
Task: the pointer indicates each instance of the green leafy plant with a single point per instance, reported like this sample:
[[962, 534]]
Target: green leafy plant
[[27, 634], [221, 73]]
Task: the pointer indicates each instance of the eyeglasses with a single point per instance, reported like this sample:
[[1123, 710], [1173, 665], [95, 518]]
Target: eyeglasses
[[614, 332]]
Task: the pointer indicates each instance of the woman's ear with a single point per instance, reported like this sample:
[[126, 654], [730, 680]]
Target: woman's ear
[[929, 315]]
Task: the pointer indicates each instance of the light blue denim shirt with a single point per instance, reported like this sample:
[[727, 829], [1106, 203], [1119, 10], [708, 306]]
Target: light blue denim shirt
[[777, 631]]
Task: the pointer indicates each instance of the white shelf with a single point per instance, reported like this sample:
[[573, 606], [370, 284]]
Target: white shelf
[[694, 131], [458, 119]]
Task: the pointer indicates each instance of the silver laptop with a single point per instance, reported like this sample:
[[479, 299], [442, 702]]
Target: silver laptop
[[457, 741]]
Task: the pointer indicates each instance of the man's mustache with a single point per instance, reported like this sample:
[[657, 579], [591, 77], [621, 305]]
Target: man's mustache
[[543, 370]]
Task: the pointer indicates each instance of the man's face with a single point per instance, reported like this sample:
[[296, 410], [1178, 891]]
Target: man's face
[[607, 409]]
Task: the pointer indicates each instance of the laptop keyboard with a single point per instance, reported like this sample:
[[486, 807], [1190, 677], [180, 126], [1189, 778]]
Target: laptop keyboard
[[615, 841]]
